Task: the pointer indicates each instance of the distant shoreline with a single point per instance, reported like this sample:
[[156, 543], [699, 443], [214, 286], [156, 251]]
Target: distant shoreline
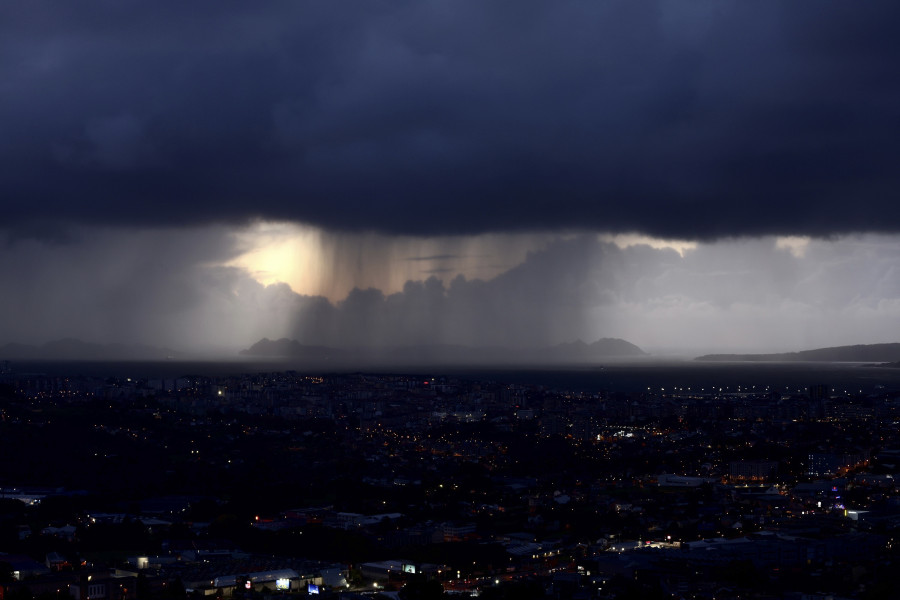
[[634, 376]]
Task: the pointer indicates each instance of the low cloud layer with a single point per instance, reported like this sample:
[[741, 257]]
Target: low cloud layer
[[169, 288], [689, 120]]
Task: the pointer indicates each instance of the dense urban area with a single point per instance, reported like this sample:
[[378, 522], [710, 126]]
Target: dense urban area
[[422, 486]]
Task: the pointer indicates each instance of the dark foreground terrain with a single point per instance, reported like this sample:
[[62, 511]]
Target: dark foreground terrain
[[632, 480]]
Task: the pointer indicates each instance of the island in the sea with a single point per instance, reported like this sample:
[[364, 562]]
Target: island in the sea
[[879, 353]]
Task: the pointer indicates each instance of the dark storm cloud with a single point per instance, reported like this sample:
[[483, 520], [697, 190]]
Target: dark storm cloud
[[749, 293], [547, 299], [677, 119]]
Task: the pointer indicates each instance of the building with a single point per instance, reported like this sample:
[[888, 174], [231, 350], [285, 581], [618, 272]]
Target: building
[[752, 470]]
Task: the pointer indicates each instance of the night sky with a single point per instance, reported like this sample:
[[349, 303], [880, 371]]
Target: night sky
[[689, 176]]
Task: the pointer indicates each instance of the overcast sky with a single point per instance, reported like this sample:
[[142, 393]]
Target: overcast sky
[[682, 174]]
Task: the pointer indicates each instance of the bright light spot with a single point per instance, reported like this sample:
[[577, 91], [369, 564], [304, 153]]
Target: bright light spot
[[796, 245], [282, 252], [624, 240]]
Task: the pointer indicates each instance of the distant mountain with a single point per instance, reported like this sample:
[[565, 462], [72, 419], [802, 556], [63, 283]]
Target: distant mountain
[[285, 348], [601, 348], [441, 353], [74, 349], [858, 353]]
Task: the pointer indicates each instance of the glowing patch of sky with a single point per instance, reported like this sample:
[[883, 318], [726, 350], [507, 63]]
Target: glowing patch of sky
[[282, 252], [316, 262], [624, 240], [796, 245]]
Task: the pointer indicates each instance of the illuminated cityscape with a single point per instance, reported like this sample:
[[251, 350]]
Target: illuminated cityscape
[[365, 484]]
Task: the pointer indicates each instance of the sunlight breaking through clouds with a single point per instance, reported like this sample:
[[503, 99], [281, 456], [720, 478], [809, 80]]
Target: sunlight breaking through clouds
[[316, 262], [226, 287], [624, 240], [796, 245]]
